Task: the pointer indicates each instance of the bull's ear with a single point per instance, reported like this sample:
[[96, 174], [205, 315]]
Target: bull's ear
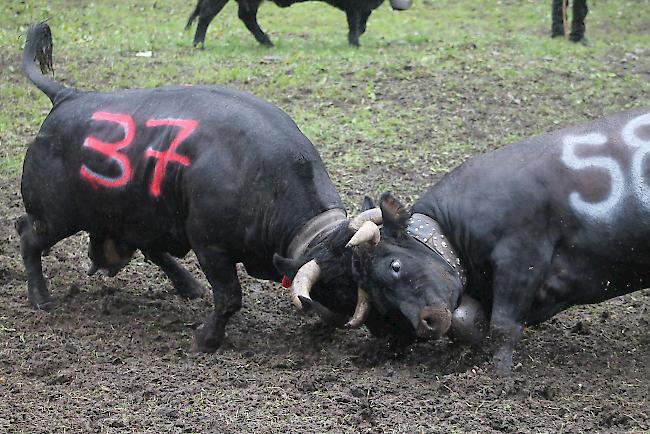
[[394, 215], [285, 266], [367, 204]]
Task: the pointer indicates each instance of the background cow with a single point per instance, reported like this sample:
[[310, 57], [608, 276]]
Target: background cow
[[528, 230], [357, 12], [171, 169]]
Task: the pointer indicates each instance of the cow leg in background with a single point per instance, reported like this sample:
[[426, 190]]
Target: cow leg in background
[[578, 21], [557, 19], [208, 9], [354, 21], [248, 14], [35, 238], [184, 283], [222, 275], [363, 19], [518, 271]]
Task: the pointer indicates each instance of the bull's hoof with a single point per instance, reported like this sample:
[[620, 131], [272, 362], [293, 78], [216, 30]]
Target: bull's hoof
[[502, 364], [207, 339], [267, 43], [505, 386], [40, 300], [583, 41]]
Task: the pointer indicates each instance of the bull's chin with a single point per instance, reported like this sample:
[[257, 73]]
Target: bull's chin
[[424, 331]]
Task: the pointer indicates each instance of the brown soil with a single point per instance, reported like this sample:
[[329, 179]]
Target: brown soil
[[114, 357]]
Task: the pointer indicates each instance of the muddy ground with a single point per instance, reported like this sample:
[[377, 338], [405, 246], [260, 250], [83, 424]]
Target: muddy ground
[[114, 355]]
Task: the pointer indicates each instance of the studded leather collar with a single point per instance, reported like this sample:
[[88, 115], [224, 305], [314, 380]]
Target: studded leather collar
[[426, 230]]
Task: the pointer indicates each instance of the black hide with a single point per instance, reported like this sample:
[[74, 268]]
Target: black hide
[[548, 222], [171, 169]]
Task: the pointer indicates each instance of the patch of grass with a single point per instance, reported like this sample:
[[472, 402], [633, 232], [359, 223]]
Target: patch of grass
[[11, 166]]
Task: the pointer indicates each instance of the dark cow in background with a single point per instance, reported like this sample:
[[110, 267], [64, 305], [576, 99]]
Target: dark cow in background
[[559, 20], [205, 168], [357, 12], [526, 231]]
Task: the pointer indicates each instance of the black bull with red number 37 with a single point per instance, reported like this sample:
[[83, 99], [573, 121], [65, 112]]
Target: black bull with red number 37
[[202, 168]]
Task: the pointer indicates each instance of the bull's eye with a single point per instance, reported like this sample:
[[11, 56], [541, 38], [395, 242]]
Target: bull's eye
[[396, 265]]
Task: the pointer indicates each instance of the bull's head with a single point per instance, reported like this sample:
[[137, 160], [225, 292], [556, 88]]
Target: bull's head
[[398, 280], [401, 5], [322, 276], [404, 277]]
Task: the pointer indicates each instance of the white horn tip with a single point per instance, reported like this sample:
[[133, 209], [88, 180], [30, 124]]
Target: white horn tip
[[368, 231]]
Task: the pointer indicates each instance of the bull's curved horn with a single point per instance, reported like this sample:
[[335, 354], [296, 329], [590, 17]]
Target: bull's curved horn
[[362, 310], [368, 231], [373, 214], [305, 278]]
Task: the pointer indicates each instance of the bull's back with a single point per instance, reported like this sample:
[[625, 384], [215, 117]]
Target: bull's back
[[574, 202], [597, 177], [587, 186], [125, 158]]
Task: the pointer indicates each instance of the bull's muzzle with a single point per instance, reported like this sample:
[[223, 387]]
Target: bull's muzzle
[[401, 5], [434, 322]]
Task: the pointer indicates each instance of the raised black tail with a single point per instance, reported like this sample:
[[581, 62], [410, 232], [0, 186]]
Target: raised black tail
[[39, 47]]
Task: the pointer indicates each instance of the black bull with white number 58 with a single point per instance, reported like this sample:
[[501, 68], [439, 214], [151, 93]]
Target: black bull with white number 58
[[204, 168], [529, 230]]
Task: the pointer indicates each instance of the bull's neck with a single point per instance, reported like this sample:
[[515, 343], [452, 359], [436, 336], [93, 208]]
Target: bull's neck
[[316, 229]]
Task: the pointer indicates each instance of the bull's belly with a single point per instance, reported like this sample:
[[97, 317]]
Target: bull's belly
[[146, 234], [573, 281]]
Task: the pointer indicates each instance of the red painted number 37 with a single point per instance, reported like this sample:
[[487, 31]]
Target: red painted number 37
[[115, 151]]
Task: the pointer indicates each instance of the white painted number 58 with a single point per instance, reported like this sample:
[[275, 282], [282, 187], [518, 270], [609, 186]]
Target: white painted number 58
[[635, 183]]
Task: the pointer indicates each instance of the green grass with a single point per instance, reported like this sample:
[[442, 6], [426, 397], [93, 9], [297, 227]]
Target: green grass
[[428, 88]]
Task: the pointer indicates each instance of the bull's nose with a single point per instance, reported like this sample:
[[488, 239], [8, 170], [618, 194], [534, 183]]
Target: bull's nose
[[434, 322]]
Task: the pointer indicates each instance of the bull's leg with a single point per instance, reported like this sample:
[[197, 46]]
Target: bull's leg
[[248, 14], [557, 19], [208, 9], [354, 24], [518, 271], [222, 275], [578, 21], [505, 332], [36, 237], [363, 20], [184, 283]]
